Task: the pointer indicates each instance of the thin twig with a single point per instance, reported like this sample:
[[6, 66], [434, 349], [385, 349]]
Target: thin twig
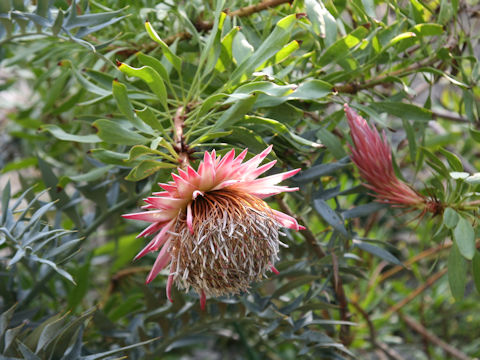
[[389, 352], [419, 328], [430, 281], [354, 87]]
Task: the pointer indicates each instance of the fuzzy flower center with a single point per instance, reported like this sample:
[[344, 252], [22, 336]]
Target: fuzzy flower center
[[234, 242]]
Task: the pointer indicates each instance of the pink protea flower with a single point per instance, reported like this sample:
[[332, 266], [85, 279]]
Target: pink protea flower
[[372, 155], [212, 226]]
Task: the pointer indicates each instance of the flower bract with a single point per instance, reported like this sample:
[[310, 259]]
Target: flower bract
[[212, 227]]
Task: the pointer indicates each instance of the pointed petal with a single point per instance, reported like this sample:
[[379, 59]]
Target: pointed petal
[[150, 216], [286, 220], [257, 172], [151, 229], [163, 259], [165, 203]]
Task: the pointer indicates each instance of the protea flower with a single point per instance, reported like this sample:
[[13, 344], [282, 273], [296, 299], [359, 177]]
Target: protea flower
[[372, 155], [212, 226]]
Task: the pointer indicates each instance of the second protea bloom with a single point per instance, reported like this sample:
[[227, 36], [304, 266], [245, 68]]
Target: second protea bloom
[[212, 227], [372, 155]]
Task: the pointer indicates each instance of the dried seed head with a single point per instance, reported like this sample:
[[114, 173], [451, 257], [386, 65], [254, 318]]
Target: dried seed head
[[234, 242]]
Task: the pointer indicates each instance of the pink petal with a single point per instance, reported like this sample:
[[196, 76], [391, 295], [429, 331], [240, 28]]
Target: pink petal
[[165, 203], [150, 216], [163, 259], [286, 220], [151, 229], [257, 172]]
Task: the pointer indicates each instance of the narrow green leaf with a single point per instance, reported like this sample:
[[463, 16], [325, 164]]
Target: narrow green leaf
[[157, 65], [109, 157], [403, 111], [113, 133], [464, 235], [340, 49], [377, 251], [330, 216], [332, 143], [476, 270], [148, 116], [457, 273], [147, 168], [450, 218], [235, 112], [125, 106], [167, 52], [151, 77], [59, 133], [428, 29], [453, 160]]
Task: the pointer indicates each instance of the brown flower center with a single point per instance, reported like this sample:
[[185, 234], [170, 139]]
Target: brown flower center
[[235, 240]]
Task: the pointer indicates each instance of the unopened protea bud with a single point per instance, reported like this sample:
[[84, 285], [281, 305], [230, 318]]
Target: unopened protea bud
[[372, 155], [212, 227]]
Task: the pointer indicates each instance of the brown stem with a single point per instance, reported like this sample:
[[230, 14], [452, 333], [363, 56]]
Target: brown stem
[[391, 353], [337, 283], [354, 87], [419, 328], [430, 281]]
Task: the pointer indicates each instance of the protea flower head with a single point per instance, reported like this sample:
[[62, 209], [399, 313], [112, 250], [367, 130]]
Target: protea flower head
[[212, 227], [372, 155]]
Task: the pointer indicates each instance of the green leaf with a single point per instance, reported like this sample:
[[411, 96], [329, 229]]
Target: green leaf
[[5, 318], [324, 24], [457, 273], [49, 333], [403, 111], [428, 29], [476, 270], [330, 216], [475, 135], [147, 115], [450, 218], [225, 60], [124, 105], [167, 52], [453, 160], [93, 174], [147, 168], [269, 47], [332, 143], [117, 350], [464, 235], [113, 133], [311, 90], [59, 133], [293, 284], [157, 65], [235, 113], [340, 49], [109, 157], [377, 251], [151, 77], [140, 150]]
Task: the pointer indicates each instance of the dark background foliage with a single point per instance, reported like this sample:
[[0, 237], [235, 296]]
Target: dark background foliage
[[89, 99]]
